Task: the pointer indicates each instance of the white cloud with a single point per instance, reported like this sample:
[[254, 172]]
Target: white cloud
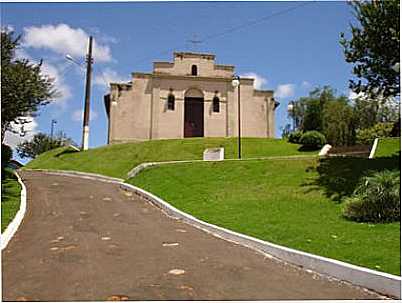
[[53, 72], [7, 28], [78, 115], [107, 76], [259, 81], [29, 130], [285, 90], [64, 40], [306, 84]]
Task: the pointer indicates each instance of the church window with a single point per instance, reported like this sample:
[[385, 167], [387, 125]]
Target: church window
[[194, 70], [170, 101], [215, 104]]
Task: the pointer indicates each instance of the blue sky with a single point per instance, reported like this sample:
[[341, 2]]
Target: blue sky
[[290, 52]]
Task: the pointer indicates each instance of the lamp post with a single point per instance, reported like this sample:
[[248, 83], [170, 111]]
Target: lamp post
[[52, 127], [291, 107], [85, 127], [236, 83]]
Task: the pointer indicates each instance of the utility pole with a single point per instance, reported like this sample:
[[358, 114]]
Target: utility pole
[[239, 120], [52, 127], [85, 130]]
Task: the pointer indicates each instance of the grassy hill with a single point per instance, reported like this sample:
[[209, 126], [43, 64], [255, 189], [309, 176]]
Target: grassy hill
[[117, 160], [294, 202], [388, 147], [10, 198]]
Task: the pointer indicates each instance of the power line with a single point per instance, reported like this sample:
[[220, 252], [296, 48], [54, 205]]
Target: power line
[[233, 29]]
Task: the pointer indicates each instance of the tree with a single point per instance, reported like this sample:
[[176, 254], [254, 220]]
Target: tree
[[23, 87], [41, 143], [339, 122], [325, 112], [374, 48], [308, 111], [368, 112]]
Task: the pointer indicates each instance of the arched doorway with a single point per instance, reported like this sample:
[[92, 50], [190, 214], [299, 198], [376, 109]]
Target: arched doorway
[[193, 113]]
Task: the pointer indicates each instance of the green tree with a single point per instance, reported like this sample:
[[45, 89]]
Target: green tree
[[339, 122], [368, 111], [41, 143], [23, 87], [374, 48], [308, 111]]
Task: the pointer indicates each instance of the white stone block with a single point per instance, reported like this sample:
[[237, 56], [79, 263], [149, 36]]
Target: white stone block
[[214, 154]]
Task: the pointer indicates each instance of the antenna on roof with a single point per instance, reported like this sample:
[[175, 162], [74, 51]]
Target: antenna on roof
[[194, 41]]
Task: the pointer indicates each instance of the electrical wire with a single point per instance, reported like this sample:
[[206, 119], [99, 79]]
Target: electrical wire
[[232, 29]]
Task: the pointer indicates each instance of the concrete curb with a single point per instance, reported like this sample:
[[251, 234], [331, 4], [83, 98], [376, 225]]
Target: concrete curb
[[324, 150], [379, 282], [69, 173], [19, 216], [373, 148], [374, 280], [139, 168]]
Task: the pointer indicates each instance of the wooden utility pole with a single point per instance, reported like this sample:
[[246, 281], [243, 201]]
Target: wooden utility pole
[[238, 120], [85, 130]]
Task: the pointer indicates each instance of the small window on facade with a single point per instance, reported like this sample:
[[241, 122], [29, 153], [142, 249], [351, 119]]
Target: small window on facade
[[215, 104], [170, 102], [194, 70]]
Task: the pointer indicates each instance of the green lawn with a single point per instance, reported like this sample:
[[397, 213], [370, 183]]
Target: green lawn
[[10, 198], [388, 147], [288, 202], [117, 160]]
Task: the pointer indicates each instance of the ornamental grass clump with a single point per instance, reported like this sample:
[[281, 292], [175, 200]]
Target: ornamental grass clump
[[376, 199]]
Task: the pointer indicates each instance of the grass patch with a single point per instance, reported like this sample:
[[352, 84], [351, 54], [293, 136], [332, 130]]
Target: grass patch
[[117, 160], [10, 198], [388, 147], [281, 201]]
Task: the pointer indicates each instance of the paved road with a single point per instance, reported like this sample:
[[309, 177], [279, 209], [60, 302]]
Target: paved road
[[90, 240]]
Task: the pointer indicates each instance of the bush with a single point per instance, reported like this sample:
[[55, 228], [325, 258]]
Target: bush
[[6, 155], [312, 140], [380, 130], [294, 137], [376, 199]]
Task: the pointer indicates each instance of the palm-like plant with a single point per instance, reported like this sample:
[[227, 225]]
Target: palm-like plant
[[376, 199]]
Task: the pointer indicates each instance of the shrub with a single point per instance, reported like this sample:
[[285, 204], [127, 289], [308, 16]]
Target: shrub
[[376, 199], [294, 137], [6, 155], [379, 130], [312, 140]]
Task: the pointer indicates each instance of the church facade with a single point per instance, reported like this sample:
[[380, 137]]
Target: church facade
[[189, 97]]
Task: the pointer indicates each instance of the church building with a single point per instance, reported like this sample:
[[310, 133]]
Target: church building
[[189, 97]]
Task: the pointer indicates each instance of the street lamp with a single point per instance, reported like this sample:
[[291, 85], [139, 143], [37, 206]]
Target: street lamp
[[291, 107], [51, 127], [236, 83]]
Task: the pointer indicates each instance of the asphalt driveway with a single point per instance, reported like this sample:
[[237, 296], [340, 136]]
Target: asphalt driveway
[[89, 240]]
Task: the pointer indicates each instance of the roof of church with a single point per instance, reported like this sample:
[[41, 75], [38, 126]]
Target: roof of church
[[194, 55]]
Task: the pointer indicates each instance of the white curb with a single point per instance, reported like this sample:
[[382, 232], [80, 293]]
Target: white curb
[[72, 173], [16, 222], [139, 168], [373, 148], [324, 150], [379, 282]]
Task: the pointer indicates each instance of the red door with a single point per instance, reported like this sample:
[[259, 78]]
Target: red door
[[193, 117]]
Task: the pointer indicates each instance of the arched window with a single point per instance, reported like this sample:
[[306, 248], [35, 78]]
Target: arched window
[[194, 70], [215, 104], [170, 101]]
